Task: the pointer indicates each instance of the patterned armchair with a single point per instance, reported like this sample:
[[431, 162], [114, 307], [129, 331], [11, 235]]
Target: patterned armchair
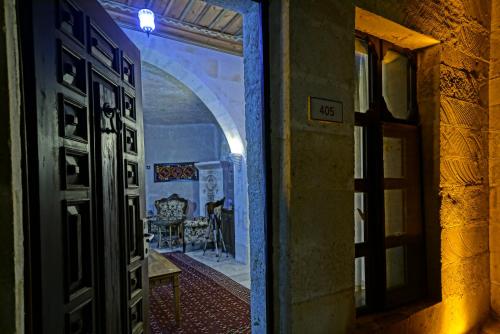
[[170, 213], [195, 231]]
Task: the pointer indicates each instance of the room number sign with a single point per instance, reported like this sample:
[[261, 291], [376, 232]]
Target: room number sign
[[325, 110]]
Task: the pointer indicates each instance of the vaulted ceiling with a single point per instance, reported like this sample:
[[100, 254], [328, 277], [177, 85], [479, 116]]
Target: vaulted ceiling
[[192, 21], [166, 101]]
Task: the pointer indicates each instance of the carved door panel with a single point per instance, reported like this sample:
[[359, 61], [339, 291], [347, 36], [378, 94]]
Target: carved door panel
[[88, 270]]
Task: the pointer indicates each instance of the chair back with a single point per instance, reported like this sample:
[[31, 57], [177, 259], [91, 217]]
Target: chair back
[[172, 209]]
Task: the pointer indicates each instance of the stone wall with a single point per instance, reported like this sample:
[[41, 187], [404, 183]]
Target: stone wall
[[312, 54], [463, 27], [180, 143], [315, 270], [215, 77], [494, 158]]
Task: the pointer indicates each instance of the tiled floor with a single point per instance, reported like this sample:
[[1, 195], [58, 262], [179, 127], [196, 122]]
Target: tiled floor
[[227, 265]]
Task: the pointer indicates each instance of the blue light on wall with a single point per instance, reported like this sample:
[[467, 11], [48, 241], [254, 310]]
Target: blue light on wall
[[147, 20]]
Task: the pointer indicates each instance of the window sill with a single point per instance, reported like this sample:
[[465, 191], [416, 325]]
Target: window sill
[[390, 321], [492, 326]]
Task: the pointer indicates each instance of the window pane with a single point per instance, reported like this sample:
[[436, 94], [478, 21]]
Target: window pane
[[359, 284], [359, 152], [395, 267], [395, 211], [393, 157], [359, 217], [395, 69], [361, 98]]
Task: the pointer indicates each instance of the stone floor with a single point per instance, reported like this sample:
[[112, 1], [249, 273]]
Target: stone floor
[[227, 265]]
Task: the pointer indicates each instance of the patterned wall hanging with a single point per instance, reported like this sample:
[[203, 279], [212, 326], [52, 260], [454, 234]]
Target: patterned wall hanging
[[175, 172]]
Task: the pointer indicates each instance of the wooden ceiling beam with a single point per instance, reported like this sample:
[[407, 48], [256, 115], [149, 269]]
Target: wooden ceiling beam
[[231, 21], [189, 32], [217, 19], [167, 8], [201, 13], [240, 31], [186, 10]]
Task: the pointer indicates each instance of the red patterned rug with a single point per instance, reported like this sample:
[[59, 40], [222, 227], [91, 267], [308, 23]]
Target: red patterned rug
[[210, 301]]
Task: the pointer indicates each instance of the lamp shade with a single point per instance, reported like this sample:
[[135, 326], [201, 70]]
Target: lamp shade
[[147, 20]]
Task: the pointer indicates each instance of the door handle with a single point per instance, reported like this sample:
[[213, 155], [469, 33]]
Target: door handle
[[111, 113], [148, 237]]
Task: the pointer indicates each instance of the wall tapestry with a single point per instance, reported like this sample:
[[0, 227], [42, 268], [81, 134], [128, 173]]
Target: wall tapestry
[[175, 172]]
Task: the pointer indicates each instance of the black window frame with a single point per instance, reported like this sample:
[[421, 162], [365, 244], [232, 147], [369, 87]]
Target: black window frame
[[373, 249]]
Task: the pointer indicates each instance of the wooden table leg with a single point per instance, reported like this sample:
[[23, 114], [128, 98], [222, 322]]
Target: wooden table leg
[[177, 299]]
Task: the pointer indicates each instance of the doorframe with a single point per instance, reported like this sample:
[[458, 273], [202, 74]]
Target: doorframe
[[266, 95], [263, 322], [29, 157], [26, 92], [11, 206], [265, 308]]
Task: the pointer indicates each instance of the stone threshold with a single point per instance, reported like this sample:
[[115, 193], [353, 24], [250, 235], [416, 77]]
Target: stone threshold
[[390, 322]]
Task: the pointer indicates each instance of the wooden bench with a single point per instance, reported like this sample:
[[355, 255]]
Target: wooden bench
[[162, 270]]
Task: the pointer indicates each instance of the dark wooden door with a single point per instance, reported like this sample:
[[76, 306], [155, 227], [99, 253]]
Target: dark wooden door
[[87, 269]]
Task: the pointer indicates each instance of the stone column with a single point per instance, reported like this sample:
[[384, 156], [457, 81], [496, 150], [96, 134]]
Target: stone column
[[241, 221], [211, 183], [312, 54]]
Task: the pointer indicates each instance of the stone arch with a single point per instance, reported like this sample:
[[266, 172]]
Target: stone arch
[[206, 95]]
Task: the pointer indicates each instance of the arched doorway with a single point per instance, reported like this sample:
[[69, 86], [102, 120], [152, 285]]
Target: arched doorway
[[252, 134], [179, 127]]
